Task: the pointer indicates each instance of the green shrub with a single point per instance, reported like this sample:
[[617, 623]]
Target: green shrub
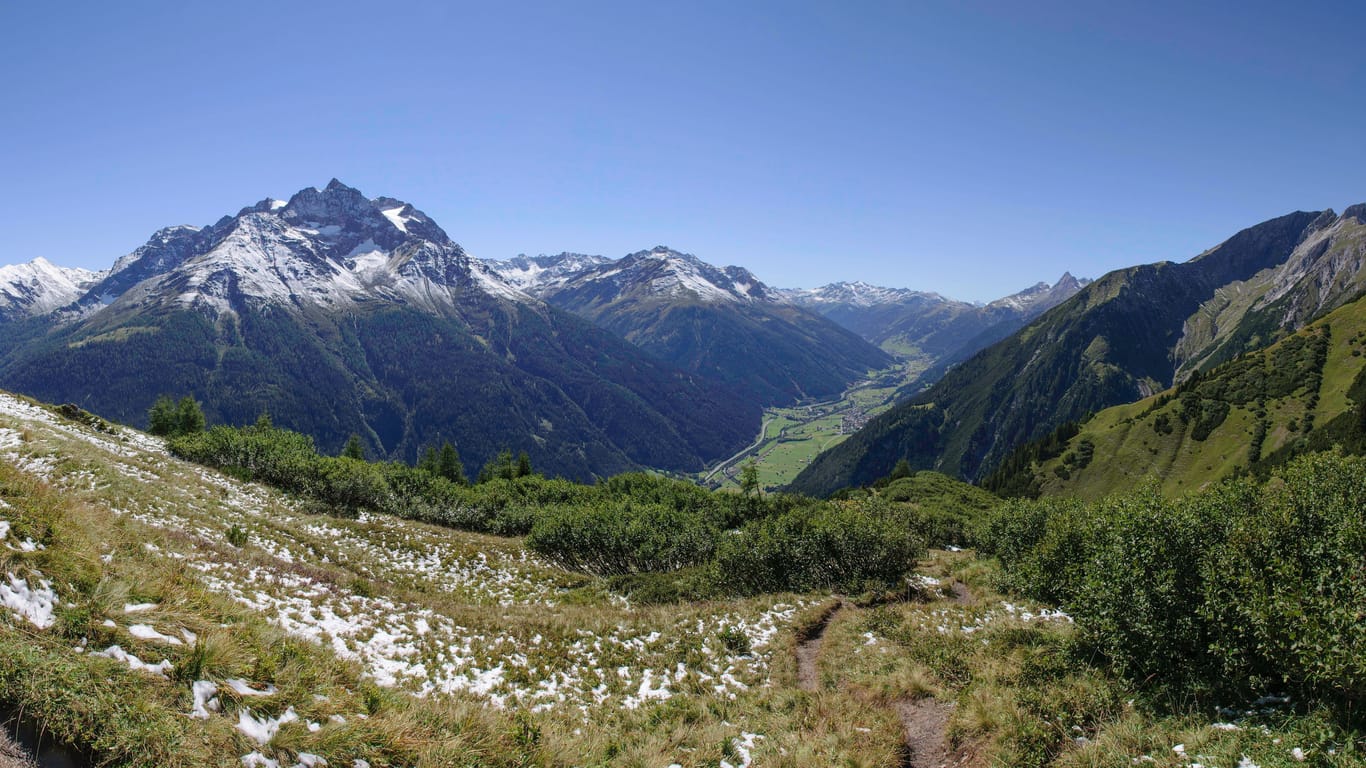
[[843, 547], [1290, 582], [1236, 590], [623, 537]]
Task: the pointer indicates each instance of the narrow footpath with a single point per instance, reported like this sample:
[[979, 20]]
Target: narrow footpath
[[924, 721]]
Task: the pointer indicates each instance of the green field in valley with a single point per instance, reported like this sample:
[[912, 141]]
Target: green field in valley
[[792, 437]]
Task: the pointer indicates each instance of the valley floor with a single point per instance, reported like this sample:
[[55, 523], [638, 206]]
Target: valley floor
[[791, 437]]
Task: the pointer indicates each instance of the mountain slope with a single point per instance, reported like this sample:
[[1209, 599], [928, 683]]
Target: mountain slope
[[1111, 343], [337, 315], [720, 323], [926, 327], [1306, 392]]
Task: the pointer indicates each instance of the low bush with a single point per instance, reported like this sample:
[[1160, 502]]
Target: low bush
[[1240, 589], [623, 537], [844, 547]]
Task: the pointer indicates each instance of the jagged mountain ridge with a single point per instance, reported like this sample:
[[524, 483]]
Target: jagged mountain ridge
[[534, 273], [1306, 392], [719, 322], [39, 287], [341, 314], [1112, 343]]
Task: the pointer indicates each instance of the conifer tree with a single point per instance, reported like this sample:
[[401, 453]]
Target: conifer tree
[[354, 449], [189, 417], [448, 465], [161, 419]]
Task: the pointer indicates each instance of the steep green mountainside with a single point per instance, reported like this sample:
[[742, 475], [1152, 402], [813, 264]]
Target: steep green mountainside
[[720, 324], [498, 375], [1111, 343], [1305, 393]]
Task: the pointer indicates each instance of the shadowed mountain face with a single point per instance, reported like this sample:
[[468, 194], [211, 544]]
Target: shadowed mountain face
[[1113, 342], [339, 314], [720, 323]]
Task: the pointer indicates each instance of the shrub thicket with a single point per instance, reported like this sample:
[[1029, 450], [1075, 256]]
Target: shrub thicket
[[631, 524], [1239, 589]]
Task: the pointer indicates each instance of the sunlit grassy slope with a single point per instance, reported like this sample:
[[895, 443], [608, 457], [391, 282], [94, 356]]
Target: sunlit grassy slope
[[378, 639], [1149, 439]]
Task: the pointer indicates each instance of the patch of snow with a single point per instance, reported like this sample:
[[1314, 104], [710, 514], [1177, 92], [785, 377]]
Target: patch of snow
[[264, 729], [743, 747], [138, 607], [395, 217], [33, 604], [205, 693], [243, 688], [148, 632], [134, 663], [258, 760]]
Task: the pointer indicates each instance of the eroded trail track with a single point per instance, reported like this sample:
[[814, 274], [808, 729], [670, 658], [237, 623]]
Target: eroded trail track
[[925, 725], [924, 721], [809, 649]]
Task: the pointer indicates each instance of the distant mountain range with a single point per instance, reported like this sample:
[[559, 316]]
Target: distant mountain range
[[1128, 335], [339, 314], [718, 322]]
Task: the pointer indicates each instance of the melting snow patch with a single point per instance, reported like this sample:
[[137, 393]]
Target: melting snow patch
[[134, 663], [138, 607], [243, 688], [1246, 762], [32, 604], [258, 760], [148, 632], [205, 694], [743, 745], [263, 730], [27, 545]]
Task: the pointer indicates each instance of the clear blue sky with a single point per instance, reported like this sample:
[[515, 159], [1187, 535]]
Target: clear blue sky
[[970, 148]]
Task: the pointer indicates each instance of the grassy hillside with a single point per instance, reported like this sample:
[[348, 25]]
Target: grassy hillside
[[1306, 392], [158, 613]]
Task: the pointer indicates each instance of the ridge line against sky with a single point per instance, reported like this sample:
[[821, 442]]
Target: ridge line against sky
[[971, 149]]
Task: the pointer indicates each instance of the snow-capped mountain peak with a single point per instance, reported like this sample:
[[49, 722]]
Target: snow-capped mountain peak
[[859, 294], [40, 287], [538, 274], [328, 247], [1042, 296], [666, 272]]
